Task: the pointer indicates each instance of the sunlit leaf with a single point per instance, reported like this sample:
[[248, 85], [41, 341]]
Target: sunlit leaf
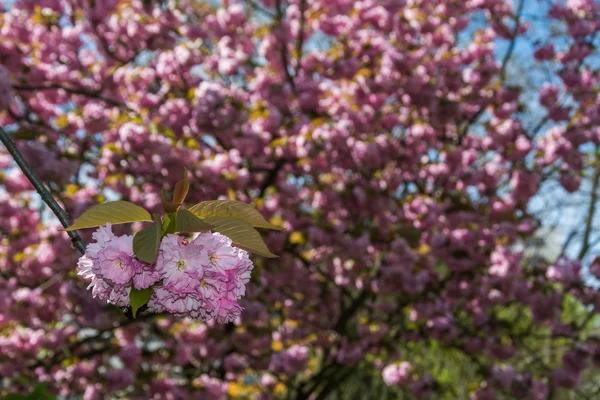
[[185, 221], [147, 241], [242, 234], [169, 224], [181, 188], [233, 209], [139, 297], [115, 212]]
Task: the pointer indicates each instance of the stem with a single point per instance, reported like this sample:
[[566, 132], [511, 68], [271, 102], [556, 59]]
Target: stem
[[284, 51], [300, 42], [513, 42], [42, 190], [505, 60], [592, 208]]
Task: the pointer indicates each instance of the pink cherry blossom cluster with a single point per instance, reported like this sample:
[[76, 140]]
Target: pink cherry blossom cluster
[[201, 279]]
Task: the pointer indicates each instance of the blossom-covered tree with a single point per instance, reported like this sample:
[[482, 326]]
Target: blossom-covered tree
[[397, 143]]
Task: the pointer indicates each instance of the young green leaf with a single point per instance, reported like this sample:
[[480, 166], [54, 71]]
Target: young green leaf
[[168, 225], [242, 234], [185, 221], [233, 209], [168, 206], [181, 188], [147, 241], [139, 297], [115, 212]]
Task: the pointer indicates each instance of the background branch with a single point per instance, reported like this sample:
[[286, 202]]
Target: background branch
[[592, 207], [42, 190]]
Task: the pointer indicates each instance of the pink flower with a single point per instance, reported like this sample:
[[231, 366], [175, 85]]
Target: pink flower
[[115, 262], [227, 310], [145, 275], [290, 360], [119, 296], [110, 265], [564, 377], [119, 379], [179, 304], [398, 373], [595, 268], [93, 392], [130, 355], [570, 181], [544, 53], [201, 279], [548, 94], [220, 252], [566, 271], [181, 264], [102, 237]]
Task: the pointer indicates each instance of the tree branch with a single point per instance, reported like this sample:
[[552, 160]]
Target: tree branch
[[300, 42], [505, 60], [592, 208], [284, 51], [76, 91], [271, 177], [513, 42], [42, 190]]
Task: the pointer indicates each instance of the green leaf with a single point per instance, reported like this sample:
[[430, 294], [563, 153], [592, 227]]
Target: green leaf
[[168, 225], [233, 209], [181, 188], [115, 212], [185, 221], [168, 206], [39, 393], [242, 234], [139, 297], [26, 133], [146, 241]]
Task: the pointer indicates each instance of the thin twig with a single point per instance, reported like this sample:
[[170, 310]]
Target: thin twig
[[300, 42], [76, 91], [513, 42], [271, 177], [42, 190], [263, 10], [592, 207], [505, 60], [284, 51]]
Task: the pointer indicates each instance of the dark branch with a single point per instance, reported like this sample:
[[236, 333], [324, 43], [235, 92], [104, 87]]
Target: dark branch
[[592, 207], [76, 91], [284, 51], [271, 177], [300, 42], [513, 42], [42, 190], [505, 60]]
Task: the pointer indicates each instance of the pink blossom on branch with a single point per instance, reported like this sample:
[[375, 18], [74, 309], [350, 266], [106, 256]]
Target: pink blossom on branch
[[200, 279]]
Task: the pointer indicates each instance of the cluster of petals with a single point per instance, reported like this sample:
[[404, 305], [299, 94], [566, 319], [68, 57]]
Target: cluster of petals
[[201, 279]]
